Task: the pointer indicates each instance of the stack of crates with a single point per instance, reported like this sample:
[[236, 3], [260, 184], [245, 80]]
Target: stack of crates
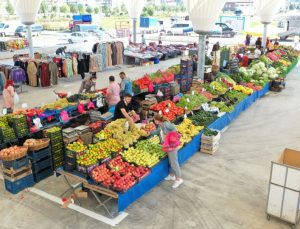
[[57, 146], [165, 89], [42, 166], [20, 126], [17, 175], [186, 75]]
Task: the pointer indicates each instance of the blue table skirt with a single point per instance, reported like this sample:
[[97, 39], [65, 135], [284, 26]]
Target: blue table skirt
[[161, 170]]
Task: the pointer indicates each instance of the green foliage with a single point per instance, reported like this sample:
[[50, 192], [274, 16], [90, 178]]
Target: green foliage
[[64, 9], [81, 9], [9, 8], [96, 10], [74, 8], [89, 9]]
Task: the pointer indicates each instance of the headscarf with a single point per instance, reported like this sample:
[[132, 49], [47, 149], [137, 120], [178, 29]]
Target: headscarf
[[9, 83]]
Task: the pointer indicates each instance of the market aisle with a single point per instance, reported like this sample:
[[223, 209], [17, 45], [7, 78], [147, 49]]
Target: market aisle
[[37, 96], [227, 190]]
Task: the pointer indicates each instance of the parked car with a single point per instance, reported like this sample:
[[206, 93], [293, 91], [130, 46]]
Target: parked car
[[179, 28], [36, 30], [222, 30], [8, 28], [78, 37]]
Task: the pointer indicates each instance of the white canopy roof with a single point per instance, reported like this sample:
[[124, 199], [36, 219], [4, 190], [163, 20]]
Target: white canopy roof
[[267, 9], [134, 7], [27, 10], [204, 13]]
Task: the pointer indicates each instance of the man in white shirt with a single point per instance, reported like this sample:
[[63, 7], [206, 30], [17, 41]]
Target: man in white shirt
[[257, 52]]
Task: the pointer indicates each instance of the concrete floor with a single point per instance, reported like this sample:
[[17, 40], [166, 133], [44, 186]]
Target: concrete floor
[[224, 191]]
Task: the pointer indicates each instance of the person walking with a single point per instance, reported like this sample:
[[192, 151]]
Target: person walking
[[113, 92], [87, 84], [8, 96], [248, 40], [126, 85], [61, 51], [165, 128]]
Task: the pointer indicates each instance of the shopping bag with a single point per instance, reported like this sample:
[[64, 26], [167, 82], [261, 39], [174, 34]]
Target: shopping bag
[[16, 98]]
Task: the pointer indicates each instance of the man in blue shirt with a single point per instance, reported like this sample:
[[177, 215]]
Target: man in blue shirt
[[126, 85]]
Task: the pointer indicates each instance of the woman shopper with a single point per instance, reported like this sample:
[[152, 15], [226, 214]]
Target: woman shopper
[[165, 128], [113, 92], [8, 96]]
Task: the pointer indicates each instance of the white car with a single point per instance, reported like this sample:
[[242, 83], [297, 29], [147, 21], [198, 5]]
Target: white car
[[180, 28], [78, 37]]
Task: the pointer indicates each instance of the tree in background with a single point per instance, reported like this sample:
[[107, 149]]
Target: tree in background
[[96, 10], [64, 9], [74, 8], [81, 9], [124, 9], [89, 9], [43, 9], [9, 8], [148, 11], [106, 10], [115, 11]]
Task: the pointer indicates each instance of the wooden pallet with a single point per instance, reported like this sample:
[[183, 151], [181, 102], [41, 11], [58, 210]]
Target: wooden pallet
[[14, 175]]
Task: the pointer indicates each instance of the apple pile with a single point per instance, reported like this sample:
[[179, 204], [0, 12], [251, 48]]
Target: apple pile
[[100, 173], [124, 183], [140, 171], [149, 127], [140, 157]]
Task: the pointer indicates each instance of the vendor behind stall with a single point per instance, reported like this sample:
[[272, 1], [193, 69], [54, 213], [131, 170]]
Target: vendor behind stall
[[125, 109], [88, 83], [257, 52], [126, 85], [233, 64]]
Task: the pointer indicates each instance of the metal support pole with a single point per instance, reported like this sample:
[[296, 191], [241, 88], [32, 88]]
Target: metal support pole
[[264, 39], [201, 56], [134, 30], [29, 35]]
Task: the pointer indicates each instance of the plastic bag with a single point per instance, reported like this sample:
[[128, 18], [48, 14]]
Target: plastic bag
[[16, 98]]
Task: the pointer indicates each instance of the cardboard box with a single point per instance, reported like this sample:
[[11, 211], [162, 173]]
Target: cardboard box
[[289, 157], [87, 138], [175, 89], [211, 139]]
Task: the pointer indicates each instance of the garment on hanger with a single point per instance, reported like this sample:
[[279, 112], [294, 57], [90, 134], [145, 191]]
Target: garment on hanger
[[53, 69], [32, 74], [44, 74], [108, 55], [95, 63]]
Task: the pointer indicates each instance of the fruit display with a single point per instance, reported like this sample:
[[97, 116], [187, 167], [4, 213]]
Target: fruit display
[[13, 153], [20, 125], [87, 159], [103, 134], [245, 90], [77, 147], [154, 140], [101, 173], [140, 157], [104, 149], [149, 127], [151, 147], [122, 135], [191, 101], [16, 44], [140, 172], [203, 118], [187, 130], [7, 133], [57, 105], [168, 109], [124, 183]]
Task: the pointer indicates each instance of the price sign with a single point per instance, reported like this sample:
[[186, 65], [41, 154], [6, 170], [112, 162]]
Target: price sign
[[24, 105], [188, 100], [169, 105], [192, 112], [167, 110], [203, 89], [193, 92], [160, 112], [213, 87], [184, 116], [127, 126], [4, 111], [185, 108]]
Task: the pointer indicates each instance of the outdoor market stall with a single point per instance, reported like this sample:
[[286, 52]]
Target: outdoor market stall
[[123, 162]]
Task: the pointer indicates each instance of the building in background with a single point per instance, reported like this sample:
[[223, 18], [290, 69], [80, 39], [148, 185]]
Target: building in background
[[245, 6]]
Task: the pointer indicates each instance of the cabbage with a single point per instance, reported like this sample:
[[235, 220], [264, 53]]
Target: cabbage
[[259, 72]]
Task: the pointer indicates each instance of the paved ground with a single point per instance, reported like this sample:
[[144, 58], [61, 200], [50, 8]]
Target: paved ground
[[224, 191]]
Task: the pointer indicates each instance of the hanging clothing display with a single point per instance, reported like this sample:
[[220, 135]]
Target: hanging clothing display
[[2, 81], [120, 51], [53, 69], [95, 63], [44, 74], [108, 55], [32, 74], [18, 75]]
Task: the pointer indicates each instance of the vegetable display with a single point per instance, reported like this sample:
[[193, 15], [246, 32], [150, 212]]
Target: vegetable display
[[203, 118], [191, 102], [168, 109]]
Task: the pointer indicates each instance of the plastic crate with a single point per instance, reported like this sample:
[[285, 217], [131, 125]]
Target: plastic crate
[[70, 164], [40, 165], [43, 174], [16, 186], [58, 164], [16, 164], [38, 155], [57, 147]]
